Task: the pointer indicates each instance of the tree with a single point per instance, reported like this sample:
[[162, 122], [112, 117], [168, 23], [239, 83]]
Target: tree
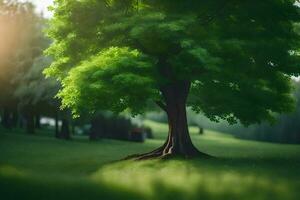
[[228, 59], [35, 93], [25, 93], [9, 40], [20, 39]]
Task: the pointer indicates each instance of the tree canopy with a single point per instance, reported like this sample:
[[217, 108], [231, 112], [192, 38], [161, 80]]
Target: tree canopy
[[237, 57]]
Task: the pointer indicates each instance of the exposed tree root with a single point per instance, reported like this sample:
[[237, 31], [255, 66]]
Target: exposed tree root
[[168, 151]]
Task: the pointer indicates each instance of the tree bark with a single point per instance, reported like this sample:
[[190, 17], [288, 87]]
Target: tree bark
[[178, 142]]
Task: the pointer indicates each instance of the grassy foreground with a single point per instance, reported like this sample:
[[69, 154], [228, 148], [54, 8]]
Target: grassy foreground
[[41, 167]]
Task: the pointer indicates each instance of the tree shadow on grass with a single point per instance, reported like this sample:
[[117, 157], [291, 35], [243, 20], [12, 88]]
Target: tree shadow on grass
[[270, 178], [12, 188], [212, 179]]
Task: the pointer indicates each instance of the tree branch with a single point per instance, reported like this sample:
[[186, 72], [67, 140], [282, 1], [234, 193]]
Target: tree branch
[[206, 19], [161, 105]]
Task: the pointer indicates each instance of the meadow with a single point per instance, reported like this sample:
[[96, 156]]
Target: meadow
[[42, 167]]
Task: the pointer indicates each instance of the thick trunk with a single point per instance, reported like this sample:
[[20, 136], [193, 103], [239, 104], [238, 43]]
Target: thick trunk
[[178, 142]]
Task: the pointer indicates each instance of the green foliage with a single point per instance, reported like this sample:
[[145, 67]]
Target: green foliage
[[115, 78], [286, 130], [238, 55], [32, 87]]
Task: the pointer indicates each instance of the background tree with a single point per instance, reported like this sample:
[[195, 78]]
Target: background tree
[[10, 16], [35, 93], [230, 60], [286, 129], [21, 43]]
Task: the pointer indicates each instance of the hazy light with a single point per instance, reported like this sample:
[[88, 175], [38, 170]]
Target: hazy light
[[41, 6]]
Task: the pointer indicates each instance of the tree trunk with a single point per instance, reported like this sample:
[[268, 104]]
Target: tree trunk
[[6, 119], [72, 127], [56, 125], [15, 118], [65, 130], [30, 123], [178, 142], [38, 121]]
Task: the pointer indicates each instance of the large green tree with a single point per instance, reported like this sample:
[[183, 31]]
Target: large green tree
[[228, 59]]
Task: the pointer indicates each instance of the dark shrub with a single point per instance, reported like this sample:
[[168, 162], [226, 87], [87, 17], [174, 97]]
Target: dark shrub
[[148, 132], [138, 135], [110, 127], [201, 130], [119, 128]]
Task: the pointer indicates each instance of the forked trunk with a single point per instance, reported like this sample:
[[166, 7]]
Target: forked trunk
[[178, 142]]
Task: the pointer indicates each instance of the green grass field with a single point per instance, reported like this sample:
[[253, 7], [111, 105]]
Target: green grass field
[[41, 167]]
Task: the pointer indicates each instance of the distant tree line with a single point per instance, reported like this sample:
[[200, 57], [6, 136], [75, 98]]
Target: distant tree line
[[25, 94], [285, 129]]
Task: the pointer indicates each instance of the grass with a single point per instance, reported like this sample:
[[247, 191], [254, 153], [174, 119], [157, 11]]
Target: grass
[[41, 167]]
